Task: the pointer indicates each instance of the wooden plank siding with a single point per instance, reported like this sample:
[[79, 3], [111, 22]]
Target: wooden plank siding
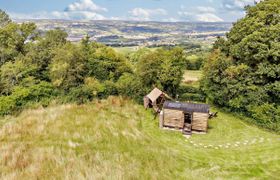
[[173, 118], [200, 121]]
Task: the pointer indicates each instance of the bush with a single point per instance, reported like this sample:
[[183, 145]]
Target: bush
[[110, 89], [41, 93], [80, 95], [192, 97], [188, 89], [267, 115], [127, 85], [194, 62], [7, 105], [130, 86], [86, 92]]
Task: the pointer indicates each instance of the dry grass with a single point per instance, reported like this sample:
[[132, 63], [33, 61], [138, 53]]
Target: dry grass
[[117, 139], [192, 77]]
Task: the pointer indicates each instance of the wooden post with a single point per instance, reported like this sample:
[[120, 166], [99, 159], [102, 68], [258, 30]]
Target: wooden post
[[161, 119]]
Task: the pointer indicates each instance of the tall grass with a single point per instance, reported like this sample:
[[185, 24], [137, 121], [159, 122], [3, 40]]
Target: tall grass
[[118, 139]]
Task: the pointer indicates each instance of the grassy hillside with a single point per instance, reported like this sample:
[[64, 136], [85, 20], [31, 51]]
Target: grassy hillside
[[117, 139]]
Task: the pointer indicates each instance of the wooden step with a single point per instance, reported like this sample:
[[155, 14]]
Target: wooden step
[[187, 132]]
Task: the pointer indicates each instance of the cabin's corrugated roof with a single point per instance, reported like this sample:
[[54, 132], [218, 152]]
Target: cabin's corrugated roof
[[156, 93], [187, 107]]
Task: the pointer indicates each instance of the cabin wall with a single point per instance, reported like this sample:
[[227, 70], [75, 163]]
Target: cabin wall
[[146, 102], [173, 118], [200, 121]]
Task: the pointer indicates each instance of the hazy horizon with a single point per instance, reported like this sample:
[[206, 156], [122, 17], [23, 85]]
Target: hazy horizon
[[110, 20], [136, 10]]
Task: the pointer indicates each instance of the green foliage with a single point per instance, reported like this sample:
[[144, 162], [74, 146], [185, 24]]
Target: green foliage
[[110, 89], [36, 68], [267, 115], [243, 71], [188, 89], [135, 57], [43, 51], [81, 94], [7, 105], [4, 18], [24, 96], [191, 93], [54, 38], [104, 63], [67, 68], [130, 86], [12, 74], [127, 85], [192, 97], [14, 40], [162, 68], [194, 62]]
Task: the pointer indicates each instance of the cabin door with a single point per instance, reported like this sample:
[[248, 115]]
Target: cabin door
[[187, 122]]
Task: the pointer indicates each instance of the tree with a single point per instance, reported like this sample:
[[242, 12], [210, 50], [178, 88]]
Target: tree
[[243, 72], [14, 40], [41, 53], [148, 68], [162, 68], [12, 74], [103, 63], [67, 68], [54, 38], [4, 18]]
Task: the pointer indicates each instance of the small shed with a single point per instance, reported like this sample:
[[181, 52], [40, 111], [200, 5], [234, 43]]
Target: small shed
[[186, 116], [155, 99]]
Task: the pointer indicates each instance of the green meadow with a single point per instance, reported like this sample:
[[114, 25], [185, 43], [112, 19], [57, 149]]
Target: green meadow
[[118, 139]]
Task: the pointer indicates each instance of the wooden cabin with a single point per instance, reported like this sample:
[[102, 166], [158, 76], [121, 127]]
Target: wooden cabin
[[187, 117], [155, 99]]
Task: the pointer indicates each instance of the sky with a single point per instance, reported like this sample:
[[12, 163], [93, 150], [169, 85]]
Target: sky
[[136, 10]]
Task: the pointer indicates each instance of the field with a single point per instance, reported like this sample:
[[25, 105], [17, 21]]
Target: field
[[118, 139], [192, 77], [128, 50]]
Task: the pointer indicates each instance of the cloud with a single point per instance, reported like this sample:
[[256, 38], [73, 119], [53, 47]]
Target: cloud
[[200, 13], [85, 5], [205, 9], [237, 5], [171, 19], [80, 10], [77, 15], [37, 15], [208, 17], [141, 14]]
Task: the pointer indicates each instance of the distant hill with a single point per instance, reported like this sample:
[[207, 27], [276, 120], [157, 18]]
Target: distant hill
[[131, 33]]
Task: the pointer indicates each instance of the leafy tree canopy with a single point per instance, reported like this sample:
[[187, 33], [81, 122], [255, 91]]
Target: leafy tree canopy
[[4, 18], [243, 72]]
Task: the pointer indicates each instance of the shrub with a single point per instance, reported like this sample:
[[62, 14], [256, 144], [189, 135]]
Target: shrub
[[41, 93], [192, 97], [7, 105], [110, 89], [86, 92], [81, 94], [267, 115], [188, 89]]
